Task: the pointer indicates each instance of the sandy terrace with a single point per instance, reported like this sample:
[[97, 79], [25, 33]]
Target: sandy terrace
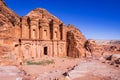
[[76, 69], [55, 70]]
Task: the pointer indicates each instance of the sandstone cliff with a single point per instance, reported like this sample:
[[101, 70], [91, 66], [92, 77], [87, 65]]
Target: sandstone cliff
[[9, 30], [8, 20], [76, 42]]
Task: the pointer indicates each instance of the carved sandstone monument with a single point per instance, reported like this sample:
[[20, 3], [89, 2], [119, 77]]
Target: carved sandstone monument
[[41, 34], [36, 35]]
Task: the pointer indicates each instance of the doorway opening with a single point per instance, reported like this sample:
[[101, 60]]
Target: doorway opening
[[45, 50]]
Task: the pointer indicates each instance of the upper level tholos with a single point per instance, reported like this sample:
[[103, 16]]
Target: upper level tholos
[[42, 29]]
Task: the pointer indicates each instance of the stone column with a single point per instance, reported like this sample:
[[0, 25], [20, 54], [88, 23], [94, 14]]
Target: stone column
[[64, 33], [51, 50], [34, 29], [55, 49], [56, 31], [45, 30]]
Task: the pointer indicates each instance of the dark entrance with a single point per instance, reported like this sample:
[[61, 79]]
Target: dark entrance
[[45, 50]]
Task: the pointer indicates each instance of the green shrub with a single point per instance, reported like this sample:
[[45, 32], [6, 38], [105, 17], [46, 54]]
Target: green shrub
[[43, 62]]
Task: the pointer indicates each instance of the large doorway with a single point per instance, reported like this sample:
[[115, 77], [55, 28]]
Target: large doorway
[[45, 51]]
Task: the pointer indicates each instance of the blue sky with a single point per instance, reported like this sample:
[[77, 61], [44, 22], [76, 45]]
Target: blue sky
[[97, 19]]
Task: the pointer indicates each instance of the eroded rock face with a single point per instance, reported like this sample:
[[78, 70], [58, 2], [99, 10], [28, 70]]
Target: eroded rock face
[[8, 20], [102, 47], [92, 47], [75, 42], [114, 49], [109, 46], [9, 30]]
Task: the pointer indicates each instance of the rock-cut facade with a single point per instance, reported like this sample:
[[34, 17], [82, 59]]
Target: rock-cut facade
[[41, 36]]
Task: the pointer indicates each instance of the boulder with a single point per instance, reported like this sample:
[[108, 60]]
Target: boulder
[[112, 59], [92, 47], [116, 58]]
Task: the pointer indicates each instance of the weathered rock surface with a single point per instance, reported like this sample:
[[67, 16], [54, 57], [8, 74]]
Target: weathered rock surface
[[115, 58], [92, 47], [111, 59], [109, 46], [5, 49], [94, 68], [9, 72], [40, 13], [8, 21], [102, 47], [76, 42]]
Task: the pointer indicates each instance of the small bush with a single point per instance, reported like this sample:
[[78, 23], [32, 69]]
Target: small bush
[[43, 62]]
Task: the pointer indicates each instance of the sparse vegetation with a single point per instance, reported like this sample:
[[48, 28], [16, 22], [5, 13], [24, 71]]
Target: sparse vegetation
[[43, 62]]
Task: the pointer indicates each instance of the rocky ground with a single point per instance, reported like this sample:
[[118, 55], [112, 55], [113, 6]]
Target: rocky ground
[[39, 72], [62, 69], [94, 70], [9, 72], [51, 71]]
